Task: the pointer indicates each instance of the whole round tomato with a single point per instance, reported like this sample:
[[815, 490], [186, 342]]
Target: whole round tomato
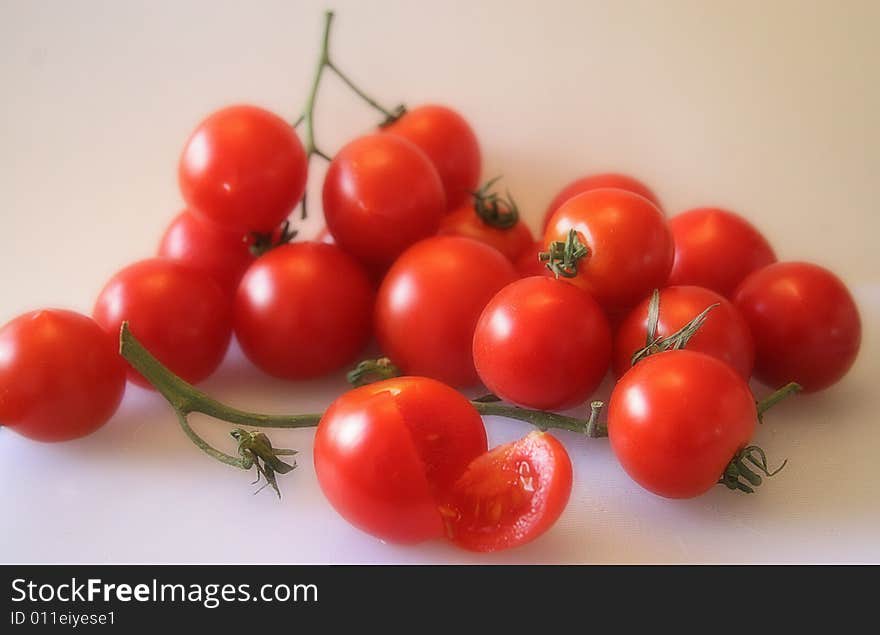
[[429, 303], [450, 144], [529, 262], [180, 314], [716, 249], [597, 182], [805, 323], [303, 310], [542, 343], [61, 377], [381, 194], [222, 253], [511, 495], [243, 168], [725, 333], [677, 419], [511, 241], [630, 248], [386, 454]]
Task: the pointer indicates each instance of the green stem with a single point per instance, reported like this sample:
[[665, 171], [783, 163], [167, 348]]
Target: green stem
[[538, 418], [389, 115], [774, 398]]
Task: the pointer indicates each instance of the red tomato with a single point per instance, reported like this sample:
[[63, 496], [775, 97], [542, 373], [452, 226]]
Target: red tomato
[[429, 303], [725, 333], [180, 314], [676, 419], [529, 264], [597, 182], [223, 254], [464, 221], [450, 144], [386, 453], [61, 377], [381, 194], [243, 168], [542, 343], [303, 310], [630, 246], [511, 495], [716, 249], [805, 323]]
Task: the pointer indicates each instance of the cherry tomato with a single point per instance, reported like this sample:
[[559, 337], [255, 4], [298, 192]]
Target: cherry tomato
[[303, 310], [429, 303], [386, 453], [381, 194], [676, 419], [180, 314], [725, 333], [223, 254], [243, 168], [464, 221], [805, 323], [542, 343], [529, 264], [60, 375], [630, 246], [716, 249], [450, 144], [596, 182], [511, 495]]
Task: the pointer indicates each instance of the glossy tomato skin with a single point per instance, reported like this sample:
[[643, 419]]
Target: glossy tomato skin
[[676, 419], [451, 145], [193, 241], [805, 323], [386, 453], [303, 310], [724, 335], [716, 249], [464, 221], [542, 343], [61, 377], [429, 303], [243, 168], [598, 182], [381, 194], [180, 314], [511, 495], [529, 263], [629, 242]]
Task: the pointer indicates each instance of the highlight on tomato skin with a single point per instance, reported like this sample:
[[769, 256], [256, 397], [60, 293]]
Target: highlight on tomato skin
[[384, 454], [676, 420], [509, 496], [725, 334], [805, 322]]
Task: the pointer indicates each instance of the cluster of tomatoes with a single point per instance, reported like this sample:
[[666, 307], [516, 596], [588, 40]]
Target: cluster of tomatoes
[[457, 292]]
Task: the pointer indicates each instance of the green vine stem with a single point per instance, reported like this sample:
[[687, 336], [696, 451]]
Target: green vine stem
[[308, 114], [791, 388]]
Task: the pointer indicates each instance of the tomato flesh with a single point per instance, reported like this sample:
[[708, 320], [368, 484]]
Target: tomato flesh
[[511, 495]]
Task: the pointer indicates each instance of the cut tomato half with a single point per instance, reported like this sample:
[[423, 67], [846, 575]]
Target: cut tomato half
[[509, 496]]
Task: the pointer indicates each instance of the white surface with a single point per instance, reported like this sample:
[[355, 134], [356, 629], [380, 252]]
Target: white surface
[[769, 108]]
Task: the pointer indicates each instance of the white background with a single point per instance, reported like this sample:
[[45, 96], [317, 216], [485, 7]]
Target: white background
[[769, 108]]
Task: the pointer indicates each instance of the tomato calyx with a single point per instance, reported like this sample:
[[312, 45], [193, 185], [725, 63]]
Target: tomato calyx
[[562, 257], [255, 449], [370, 371], [493, 210], [674, 341], [265, 242], [740, 476]]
